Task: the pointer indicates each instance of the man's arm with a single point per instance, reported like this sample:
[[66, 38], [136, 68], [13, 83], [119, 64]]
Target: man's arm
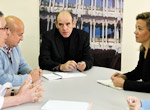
[[23, 68], [87, 54], [16, 80], [7, 74], [45, 60], [27, 93]]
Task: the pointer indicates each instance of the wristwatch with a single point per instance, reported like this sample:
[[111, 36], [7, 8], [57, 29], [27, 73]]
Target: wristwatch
[[12, 92]]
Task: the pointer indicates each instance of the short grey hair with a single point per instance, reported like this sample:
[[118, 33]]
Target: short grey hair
[[1, 15]]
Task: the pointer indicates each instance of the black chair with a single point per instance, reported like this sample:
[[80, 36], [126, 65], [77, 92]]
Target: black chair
[[106, 58]]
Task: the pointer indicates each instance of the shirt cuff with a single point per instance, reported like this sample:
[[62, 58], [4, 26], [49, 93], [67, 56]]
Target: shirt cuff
[[1, 102], [4, 87], [57, 68]]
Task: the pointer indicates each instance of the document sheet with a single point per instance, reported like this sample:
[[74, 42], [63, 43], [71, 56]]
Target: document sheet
[[65, 105], [60, 75], [108, 83]]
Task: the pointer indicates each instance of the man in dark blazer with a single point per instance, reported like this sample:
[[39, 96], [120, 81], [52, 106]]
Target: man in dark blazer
[[65, 48]]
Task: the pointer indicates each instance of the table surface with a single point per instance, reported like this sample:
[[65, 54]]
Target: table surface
[[84, 89]]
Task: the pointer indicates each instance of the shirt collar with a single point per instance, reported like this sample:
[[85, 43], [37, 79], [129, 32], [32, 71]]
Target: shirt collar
[[7, 49]]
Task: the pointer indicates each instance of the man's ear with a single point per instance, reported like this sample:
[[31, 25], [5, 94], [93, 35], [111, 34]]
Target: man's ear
[[74, 23]]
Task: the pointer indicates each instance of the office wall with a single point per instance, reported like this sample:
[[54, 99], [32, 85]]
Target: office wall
[[130, 53], [28, 12]]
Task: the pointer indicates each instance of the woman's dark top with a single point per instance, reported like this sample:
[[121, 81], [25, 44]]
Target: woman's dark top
[[142, 71]]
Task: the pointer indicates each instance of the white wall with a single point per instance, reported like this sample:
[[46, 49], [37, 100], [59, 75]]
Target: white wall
[[28, 12], [130, 53]]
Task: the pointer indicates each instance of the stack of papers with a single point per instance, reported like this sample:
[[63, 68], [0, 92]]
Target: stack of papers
[[108, 83], [65, 105], [60, 75]]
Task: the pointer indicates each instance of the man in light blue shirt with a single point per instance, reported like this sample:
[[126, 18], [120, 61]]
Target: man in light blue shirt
[[27, 92], [13, 67]]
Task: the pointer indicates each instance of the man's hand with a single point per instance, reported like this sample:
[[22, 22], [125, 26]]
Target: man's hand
[[30, 92], [81, 66], [36, 74], [68, 66]]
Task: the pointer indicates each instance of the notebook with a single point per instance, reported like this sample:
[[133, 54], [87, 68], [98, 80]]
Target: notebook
[[108, 83], [60, 75], [65, 105]]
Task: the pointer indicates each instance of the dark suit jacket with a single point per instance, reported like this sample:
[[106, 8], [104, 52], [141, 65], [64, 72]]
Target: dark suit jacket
[[142, 71], [52, 49]]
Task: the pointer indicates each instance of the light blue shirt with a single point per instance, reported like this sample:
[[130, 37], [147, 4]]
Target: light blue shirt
[[15, 72], [145, 105]]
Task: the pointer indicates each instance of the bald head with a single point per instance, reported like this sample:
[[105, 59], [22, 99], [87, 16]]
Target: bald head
[[64, 13], [65, 23], [13, 22], [16, 27]]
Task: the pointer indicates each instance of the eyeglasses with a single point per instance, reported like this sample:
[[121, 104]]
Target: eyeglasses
[[5, 28]]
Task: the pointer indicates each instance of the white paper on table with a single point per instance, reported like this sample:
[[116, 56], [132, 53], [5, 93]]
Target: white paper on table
[[65, 105], [108, 83], [59, 75], [51, 76], [70, 74]]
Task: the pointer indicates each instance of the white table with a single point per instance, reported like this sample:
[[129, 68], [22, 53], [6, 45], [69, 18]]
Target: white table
[[85, 89]]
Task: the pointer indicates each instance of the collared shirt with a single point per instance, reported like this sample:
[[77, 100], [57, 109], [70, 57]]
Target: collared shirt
[[3, 89], [8, 51], [15, 72]]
